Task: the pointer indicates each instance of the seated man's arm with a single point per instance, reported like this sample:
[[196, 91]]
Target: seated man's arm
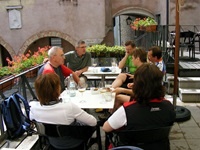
[[79, 72], [66, 72], [88, 63], [75, 77], [123, 61]]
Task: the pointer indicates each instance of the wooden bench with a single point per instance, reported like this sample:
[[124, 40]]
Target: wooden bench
[[24, 142]]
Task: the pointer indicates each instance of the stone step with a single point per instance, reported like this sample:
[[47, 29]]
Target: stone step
[[189, 82], [183, 82], [189, 95]]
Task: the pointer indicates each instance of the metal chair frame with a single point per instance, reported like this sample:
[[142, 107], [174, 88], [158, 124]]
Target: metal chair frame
[[52, 130], [155, 139]]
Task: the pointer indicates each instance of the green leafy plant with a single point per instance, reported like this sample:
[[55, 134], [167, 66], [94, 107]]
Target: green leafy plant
[[103, 49], [4, 71], [97, 49], [149, 21], [23, 62], [138, 22]]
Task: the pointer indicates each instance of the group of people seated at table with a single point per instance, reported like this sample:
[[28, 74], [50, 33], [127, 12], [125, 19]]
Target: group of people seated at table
[[123, 83], [139, 99]]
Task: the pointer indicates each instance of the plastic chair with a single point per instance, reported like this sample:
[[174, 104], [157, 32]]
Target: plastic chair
[[47, 131], [150, 139]]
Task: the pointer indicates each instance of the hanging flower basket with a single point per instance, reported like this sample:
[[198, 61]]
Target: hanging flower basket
[[151, 28], [142, 28], [145, 24]]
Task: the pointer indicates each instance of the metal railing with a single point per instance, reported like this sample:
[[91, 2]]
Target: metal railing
[[22, 85], [162, 38]]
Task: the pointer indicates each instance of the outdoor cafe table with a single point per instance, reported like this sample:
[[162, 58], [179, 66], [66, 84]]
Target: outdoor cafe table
[[92, 101], [96, 71]]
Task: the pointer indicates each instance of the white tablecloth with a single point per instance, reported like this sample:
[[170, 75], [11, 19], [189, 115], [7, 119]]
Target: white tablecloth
[[92, 101]]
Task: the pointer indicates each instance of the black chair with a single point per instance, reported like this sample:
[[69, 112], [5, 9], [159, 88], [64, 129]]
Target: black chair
[[148, 139], [187, 41], [47, 131]]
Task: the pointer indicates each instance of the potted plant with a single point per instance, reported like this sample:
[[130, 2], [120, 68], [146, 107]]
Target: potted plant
[[105, 51], [24, 62], [97, 50], [137, 24], [148, 24], [5, 72], [116, 50]]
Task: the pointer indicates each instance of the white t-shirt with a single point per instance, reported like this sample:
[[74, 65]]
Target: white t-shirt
[[60, 113], [161, 66], [118, 118]]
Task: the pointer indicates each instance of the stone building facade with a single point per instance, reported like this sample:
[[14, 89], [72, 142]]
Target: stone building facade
[[29, 24]]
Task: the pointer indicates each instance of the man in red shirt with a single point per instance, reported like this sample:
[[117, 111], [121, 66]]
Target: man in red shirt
[[56, 64]]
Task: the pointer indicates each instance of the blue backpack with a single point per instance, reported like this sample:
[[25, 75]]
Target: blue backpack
[[15, 120]]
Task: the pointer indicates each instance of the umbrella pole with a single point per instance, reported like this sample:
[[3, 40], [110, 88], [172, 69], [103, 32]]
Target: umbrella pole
[[182, 114], [176, 60]]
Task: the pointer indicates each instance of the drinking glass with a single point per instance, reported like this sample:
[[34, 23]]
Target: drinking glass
[[114, 65], [102, 90], [94, 63], [81, 88], [108, 96]]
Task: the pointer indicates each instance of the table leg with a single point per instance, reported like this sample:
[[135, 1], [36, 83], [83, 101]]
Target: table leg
[[99, 137], [103, 79]]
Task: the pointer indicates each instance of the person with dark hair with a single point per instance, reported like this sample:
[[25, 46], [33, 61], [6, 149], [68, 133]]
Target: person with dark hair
[[139, 57], [78, 60], [56, 65], [148, 109], [124, 78], [155, 57], [50, 109]]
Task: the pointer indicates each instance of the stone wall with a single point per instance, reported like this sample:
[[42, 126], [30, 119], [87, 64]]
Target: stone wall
[[86, 20]]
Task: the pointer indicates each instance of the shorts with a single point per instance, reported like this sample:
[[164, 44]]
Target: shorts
[[124, 85]]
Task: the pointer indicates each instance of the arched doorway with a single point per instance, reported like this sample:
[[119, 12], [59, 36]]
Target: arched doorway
[[5, 51], [50, 41], [50, 38], [122, 30], [3, 55]]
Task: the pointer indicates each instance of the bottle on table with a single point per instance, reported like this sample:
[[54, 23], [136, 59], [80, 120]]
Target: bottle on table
[[72, 86]]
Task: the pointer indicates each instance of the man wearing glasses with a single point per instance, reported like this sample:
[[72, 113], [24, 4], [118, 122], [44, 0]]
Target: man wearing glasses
[[56, 65], [78, 60]]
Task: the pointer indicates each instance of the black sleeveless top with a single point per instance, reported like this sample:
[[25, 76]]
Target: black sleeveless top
[[158, 113]]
